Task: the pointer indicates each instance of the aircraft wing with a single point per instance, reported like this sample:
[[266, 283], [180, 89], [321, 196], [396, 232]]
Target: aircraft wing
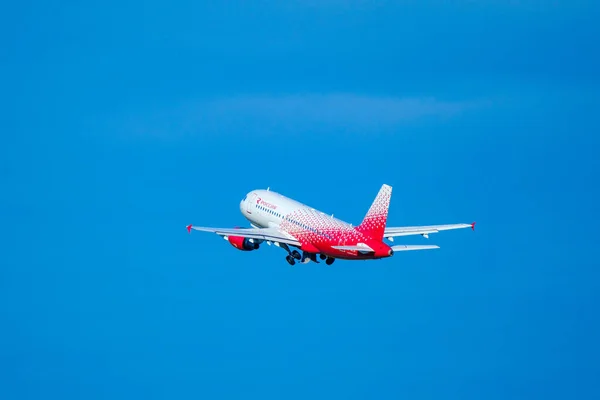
[[423, 230], [269, 234]]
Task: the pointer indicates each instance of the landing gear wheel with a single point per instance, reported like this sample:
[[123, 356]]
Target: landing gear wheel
[[322, 256], [329, 261], [290, 259], [296, 255]]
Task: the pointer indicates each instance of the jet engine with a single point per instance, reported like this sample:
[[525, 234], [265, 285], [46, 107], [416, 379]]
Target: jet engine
[[242, 243]]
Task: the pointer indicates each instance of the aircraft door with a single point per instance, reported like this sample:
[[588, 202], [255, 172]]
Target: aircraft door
[[250, 202]]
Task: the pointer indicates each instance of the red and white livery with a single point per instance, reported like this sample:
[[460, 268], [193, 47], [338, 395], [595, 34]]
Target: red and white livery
[[288, 224]]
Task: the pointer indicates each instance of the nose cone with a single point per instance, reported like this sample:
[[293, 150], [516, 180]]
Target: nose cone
[[242, 206]]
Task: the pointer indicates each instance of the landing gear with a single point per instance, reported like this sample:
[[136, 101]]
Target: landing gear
[[296, 254], [308, 257], [305, 257]]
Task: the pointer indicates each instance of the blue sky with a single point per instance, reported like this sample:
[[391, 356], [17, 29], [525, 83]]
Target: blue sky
[[123, 122]]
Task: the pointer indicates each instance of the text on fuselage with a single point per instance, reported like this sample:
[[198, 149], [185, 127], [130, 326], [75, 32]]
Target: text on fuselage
[[265, 204]]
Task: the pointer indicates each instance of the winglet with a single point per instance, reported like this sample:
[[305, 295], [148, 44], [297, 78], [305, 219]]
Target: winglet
[[189, 228], [473, 226]]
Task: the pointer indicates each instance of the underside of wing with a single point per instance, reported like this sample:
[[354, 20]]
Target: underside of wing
[[268, 234], [423, 230]]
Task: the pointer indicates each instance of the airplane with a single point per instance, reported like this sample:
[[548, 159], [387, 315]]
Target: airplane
[[286, 223]]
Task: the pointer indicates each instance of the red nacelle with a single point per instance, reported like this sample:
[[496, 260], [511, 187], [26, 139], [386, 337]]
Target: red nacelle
[[242, 243]]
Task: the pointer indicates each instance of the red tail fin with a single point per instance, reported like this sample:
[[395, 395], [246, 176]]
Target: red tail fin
[[374, 222]]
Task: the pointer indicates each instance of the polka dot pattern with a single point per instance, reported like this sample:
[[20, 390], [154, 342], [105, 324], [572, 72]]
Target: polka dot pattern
[[319, 232], [373, 224], [310, 226]]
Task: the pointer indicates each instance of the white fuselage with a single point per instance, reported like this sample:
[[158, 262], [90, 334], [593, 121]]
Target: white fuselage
[[265, 209]]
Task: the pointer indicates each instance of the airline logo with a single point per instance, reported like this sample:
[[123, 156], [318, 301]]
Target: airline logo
[[265, 204]]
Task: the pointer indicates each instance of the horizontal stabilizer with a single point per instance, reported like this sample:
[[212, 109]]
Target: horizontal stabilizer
[[359, 247], [402, 247]]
